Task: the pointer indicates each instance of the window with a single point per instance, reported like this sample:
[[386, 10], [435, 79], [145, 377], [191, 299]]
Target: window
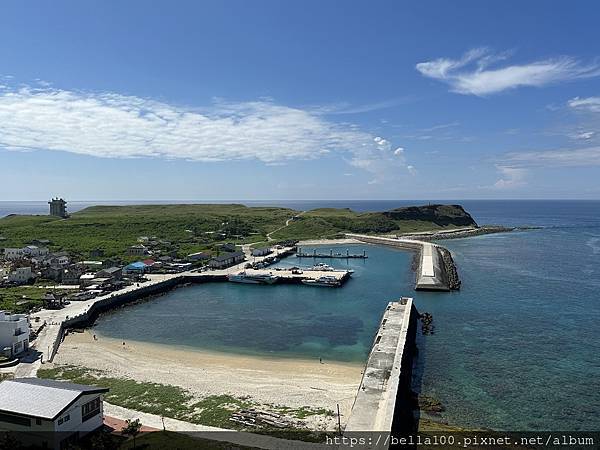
[[9, 418], [60, 421], [67, 417], [38, 421], [90, 409]]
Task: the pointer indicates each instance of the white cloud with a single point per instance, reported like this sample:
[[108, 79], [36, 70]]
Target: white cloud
[[591, 104], [345, 108], [582, 157], [510, 177], [584, 135], [384, 162], [111, 125], [471, 74]]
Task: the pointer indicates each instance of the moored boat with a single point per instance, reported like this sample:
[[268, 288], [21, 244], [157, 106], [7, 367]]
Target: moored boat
[[323, 281], [322, 267], [244, 277]]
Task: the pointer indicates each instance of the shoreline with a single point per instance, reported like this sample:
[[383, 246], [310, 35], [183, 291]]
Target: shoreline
[[267, 381]]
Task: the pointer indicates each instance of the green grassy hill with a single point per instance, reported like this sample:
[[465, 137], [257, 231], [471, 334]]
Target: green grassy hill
[[188, 228]]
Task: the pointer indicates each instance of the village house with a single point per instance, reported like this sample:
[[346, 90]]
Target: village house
[[228, 247], [48, 413], [92, 265], [138, 250], [58, 259], [33, 251], [135, 268], [53, 272], [13, 253], [21, 275], [112, 273], [199, 256], [71, 275], [41, 242], [226, 260], [87, 279], [14, 334], [261, 251]]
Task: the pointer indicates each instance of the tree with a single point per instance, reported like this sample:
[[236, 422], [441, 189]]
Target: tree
[[132, 428]]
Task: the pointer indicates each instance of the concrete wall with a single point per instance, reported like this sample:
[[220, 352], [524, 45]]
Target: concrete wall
[[115, 300], [383, 399]]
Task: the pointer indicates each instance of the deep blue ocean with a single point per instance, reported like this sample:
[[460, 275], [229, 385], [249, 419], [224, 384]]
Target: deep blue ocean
[[518, 348]]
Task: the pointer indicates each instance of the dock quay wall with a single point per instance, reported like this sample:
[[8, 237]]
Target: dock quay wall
[[383, 402], [436, 270], [116, 300]]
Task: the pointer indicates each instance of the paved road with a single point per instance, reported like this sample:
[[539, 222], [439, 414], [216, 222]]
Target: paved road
[[206, 432]]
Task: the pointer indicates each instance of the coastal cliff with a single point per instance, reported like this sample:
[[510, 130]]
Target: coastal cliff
[[441, 215]]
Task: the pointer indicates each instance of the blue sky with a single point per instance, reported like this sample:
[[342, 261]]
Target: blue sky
[[299, 100]]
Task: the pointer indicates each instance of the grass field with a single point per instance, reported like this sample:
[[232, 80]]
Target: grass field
[[177, 403], [189, 228], [20, 299]]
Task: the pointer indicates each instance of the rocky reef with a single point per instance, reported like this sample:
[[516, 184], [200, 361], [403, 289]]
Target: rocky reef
[[452, 279]]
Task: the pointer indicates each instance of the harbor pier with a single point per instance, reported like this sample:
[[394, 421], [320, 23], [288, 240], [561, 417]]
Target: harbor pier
[[347, 255], [383, 401], [296, 276], [436, 270]]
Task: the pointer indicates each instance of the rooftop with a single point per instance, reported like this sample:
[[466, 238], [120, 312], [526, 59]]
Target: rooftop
[[42, 398], [226, 256]]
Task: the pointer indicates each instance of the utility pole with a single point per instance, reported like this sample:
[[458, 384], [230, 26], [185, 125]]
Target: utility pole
[[339, 420]]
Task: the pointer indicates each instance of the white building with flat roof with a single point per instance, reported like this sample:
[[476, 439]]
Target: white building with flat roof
[[49, 413], [14, 333]]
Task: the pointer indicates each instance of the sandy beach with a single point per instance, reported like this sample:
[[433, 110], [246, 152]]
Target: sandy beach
[[275, 381]]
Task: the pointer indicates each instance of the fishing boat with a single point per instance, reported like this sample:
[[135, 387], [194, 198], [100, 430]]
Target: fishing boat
[[244, 277], [322, 267], [327, 281]]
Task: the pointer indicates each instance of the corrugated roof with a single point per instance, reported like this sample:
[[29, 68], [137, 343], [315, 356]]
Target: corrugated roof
[[226, 256], [39, 397]]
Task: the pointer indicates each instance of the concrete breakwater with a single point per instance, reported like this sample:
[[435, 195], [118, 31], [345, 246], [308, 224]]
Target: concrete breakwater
[[383, 402], [450, 268], [436, 270], [457, 233]]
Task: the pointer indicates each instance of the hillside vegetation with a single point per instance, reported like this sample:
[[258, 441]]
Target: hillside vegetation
[[188, 228], [330, 222]]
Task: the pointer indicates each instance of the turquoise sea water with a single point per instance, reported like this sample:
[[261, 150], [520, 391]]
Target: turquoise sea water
[[518, 348]]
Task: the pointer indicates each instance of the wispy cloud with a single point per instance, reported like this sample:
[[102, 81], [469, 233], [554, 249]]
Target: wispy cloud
[[581, 157], [473, 72], [346, 108], [510, 177], [111, 125], [590, 104], [514, 167]]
